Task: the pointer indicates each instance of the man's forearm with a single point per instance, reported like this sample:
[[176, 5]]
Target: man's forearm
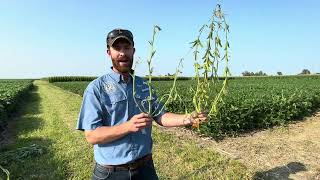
[[106, 134], [174, 120]]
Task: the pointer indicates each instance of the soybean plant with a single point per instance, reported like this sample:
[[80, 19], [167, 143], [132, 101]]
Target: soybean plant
[[208, 68], [167, 98], [6, 172]]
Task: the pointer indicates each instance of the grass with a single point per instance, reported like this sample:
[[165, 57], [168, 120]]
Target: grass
[[180, 158], [48, 119]]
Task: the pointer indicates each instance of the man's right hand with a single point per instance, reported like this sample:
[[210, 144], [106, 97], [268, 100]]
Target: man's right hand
[[138, 122]]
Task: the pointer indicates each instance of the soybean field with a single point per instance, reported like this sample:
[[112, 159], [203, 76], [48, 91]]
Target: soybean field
[[44, 130], [11, 92], [250, 103]]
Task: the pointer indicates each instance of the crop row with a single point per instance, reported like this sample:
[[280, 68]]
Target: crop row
[[250, 103], [90, 78], [171, 78], [11, 93]]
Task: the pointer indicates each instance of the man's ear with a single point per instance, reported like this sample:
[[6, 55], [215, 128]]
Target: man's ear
[[108, 52]]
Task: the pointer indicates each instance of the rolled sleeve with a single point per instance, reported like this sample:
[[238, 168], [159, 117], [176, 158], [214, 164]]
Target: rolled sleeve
[[90, 116]]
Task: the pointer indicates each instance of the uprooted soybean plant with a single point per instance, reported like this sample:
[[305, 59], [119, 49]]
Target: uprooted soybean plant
[[211, 45]]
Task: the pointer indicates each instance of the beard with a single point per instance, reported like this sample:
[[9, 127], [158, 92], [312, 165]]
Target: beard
[[123, 66]]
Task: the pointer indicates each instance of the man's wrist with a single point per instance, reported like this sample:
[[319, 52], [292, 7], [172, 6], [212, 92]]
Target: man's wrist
[[126, 128], [188, 119]]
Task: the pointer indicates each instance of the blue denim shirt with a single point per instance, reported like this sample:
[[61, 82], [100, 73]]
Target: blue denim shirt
[[108, 101]]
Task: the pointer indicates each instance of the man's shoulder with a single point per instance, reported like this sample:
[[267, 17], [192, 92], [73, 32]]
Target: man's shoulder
[[100, 80], [96, 84]]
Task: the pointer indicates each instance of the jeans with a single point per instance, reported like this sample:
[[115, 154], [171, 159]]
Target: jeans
[[145, 172]]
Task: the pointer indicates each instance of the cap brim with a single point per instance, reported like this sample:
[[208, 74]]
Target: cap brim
[[120, 37]]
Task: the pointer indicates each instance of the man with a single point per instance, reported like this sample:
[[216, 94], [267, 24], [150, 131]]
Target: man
[[112, 121]]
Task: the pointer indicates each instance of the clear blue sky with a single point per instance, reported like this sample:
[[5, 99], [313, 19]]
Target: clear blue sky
[[40, 38]]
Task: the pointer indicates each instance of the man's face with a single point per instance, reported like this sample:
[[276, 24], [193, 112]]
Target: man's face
[[121, 54]]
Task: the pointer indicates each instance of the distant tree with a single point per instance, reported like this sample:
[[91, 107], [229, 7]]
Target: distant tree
[[279, 73], [247, 73], [305, 71], [260, 73]]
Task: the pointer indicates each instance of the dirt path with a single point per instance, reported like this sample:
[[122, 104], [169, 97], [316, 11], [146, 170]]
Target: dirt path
[[291, 152], [282, 151]]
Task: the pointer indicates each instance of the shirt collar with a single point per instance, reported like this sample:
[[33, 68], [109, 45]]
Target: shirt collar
[[117, 77]]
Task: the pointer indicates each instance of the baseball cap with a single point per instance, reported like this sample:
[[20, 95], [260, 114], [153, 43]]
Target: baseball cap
[[118, 34]]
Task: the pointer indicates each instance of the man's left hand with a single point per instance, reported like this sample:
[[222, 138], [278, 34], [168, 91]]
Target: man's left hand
[[197, 118]]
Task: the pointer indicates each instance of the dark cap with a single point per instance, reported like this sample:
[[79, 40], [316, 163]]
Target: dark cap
[[118, 34]]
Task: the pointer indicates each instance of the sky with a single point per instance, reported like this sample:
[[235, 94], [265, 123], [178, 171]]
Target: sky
[[42, 38]]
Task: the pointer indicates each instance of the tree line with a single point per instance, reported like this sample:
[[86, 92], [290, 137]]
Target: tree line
[[279, 73]]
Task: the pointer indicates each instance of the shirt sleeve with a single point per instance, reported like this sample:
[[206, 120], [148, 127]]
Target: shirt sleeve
[[90, 116]]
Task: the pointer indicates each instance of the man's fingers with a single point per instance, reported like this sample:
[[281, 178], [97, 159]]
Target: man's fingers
[[141, 120], [142, 115], [202, 116], [142, 125], [202, 119]]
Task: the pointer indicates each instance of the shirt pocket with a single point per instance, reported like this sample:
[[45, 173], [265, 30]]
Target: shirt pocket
[[116, 106], [115, 98]]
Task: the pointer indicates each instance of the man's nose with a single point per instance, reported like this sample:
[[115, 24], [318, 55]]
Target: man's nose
[[122, 52]]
